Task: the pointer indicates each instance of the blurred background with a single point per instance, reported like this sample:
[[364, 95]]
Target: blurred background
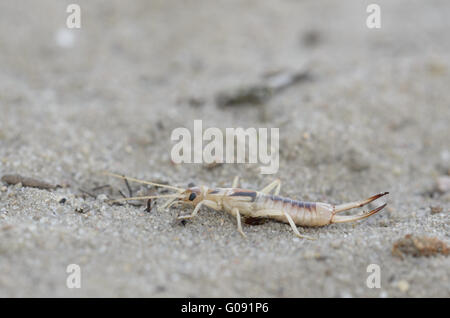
[[372, 116]]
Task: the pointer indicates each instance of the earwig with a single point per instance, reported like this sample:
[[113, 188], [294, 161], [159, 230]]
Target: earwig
[[244, 203]]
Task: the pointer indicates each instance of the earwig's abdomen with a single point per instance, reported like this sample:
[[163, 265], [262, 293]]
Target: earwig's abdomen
[[302, 213]]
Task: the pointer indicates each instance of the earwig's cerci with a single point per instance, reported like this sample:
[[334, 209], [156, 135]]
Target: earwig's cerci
[[243, 203]]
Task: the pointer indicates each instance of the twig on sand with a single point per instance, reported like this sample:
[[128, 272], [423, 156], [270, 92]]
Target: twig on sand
[[88, 193], [27, 182], [259, 93], [149, 206]]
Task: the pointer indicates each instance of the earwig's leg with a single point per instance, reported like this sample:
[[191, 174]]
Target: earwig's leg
[[179, 202], [171, 204], [235, 182], [238, 219], [294, 227], [272, 213], [167, 204], [277, 190], [276, 184], [208, 203], [194, 213]]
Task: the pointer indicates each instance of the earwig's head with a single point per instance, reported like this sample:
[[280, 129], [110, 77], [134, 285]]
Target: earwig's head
[[192, 195]]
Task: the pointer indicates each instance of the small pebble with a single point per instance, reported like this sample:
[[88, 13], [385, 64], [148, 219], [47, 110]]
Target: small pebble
[[418, 246], [443, 184], [128, 149], [403, 286], [82, 209], [436, 209], [102, 197]]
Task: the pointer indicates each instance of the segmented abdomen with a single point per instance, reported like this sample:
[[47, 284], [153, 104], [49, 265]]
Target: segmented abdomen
[[303, 213]]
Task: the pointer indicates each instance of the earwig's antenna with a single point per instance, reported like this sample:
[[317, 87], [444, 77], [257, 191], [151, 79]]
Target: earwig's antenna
[[146, 197], [142, 181]]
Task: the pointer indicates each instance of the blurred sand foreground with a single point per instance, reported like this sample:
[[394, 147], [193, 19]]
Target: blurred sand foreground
[[374, 117]]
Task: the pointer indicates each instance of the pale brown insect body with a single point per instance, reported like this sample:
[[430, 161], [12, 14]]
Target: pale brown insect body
[[243, 203]]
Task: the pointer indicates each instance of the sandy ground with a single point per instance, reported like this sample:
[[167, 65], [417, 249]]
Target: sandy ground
[[375, 117]]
